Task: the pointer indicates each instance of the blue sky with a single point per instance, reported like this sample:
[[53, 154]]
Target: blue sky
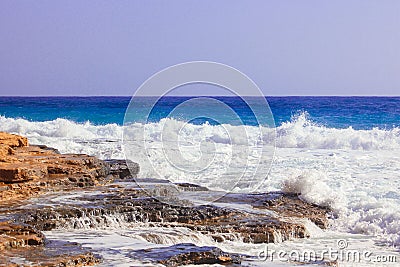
[[287, 47]]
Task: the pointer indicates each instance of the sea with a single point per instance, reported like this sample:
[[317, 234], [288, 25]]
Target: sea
[[341, 152]]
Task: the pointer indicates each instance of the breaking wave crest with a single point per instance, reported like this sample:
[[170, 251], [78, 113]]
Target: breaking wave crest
[[299, 132], [360, 159]]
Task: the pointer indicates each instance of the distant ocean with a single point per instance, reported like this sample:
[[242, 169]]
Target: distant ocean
[[334, 112], [343, 152]]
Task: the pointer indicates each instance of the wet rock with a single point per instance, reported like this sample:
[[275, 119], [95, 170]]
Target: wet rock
[[16, 236], [286, 204], [43, 147], [123, 169], [28, 246], [29, 171], [53, 253], [191, 187], [187, 254], [220, 223]]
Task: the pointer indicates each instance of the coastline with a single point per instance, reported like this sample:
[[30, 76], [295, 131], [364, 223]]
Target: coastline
[[36, 181]]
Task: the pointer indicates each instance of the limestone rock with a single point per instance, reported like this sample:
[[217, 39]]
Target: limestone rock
[[123, 169], [13, 140], [10, 141], [15, 236], [35, 169], [187, 254], [133, 205]]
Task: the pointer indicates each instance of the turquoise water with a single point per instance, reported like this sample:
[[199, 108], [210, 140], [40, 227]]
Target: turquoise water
[[332, 112]]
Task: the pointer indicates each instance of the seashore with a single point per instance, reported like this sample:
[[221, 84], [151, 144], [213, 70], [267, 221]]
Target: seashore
[[42, 190]]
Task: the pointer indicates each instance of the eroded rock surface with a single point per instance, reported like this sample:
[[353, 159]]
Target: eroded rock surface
[[34, 180], [123, 169], [8, 142], [187, 254], [132, 205], [16, 236], [26, 171], [23, 245]]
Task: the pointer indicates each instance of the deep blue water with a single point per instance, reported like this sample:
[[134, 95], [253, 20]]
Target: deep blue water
[[337, 112]]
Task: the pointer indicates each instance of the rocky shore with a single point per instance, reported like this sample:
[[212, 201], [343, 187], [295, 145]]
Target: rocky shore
[[34, 178]]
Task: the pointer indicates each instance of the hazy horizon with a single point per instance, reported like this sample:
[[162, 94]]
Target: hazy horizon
[[288, 48], [190, 95]]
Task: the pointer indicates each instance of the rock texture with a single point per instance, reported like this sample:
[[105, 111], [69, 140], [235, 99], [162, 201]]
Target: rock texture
[[16, 236], [123, 169], [134, 206], [187, 254], [8, 142], [23, 243], [28, 172]]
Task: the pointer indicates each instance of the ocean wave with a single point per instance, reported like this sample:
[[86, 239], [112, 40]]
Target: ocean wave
[[360, 158], [362, 211], [103, 141], [312, 189], [299, 132]]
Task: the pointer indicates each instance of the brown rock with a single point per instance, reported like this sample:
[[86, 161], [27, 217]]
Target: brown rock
[[38, 169], [51, 254], [132, 205], [21, 172], [28, 244], [28, 171], [187, 254], [13, 140], [15, 236], [8, 142]]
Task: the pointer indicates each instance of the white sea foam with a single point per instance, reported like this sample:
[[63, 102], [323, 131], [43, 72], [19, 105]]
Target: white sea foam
[[67, 136], [361, 186], [300, 132], [312, 188], [356, 172]]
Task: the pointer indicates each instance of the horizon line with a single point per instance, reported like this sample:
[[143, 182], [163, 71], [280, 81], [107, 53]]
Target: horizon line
[[83, 96]]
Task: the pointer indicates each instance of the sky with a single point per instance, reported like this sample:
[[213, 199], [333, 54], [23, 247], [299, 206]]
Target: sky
[[294, 47]]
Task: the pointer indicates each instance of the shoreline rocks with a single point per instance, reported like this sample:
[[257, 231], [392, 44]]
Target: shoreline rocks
[[29, 170], [26, 172], [32, 177], [132, 205], [19, 241], [15, 236], [187, 254]]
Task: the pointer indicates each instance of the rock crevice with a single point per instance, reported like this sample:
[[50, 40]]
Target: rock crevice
[[34, 174]]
